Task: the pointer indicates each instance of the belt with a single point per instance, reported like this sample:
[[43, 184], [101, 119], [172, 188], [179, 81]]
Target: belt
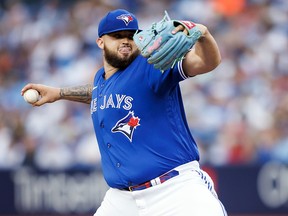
[[153, 182]]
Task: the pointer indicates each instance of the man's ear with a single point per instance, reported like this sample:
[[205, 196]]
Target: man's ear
[[100, 43]]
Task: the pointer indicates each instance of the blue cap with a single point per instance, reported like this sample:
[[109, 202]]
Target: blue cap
[[117, 20]]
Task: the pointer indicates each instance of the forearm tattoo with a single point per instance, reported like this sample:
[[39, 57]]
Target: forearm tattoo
[[81, 94]]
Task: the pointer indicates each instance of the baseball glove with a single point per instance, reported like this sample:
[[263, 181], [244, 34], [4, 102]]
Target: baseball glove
[[161, 47]]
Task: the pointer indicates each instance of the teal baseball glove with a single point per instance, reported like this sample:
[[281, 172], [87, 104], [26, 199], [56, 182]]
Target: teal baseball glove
[[161, 47]]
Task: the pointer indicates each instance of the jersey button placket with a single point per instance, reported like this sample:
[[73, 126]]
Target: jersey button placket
[[118, 165], [108, 145], [100, 92]]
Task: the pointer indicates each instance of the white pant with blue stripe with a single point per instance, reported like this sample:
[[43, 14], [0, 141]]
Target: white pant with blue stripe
[[190, 193]]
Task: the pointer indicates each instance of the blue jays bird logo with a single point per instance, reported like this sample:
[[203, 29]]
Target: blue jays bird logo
[[127, 125], [126, 18]]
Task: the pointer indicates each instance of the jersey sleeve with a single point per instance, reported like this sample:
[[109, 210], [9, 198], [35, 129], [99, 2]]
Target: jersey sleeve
[[163, 82]]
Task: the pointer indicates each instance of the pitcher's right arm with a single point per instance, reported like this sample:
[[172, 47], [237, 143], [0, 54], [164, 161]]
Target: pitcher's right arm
[[51, 94]]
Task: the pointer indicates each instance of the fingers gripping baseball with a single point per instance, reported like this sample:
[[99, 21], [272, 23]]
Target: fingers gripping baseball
[[47, 94]]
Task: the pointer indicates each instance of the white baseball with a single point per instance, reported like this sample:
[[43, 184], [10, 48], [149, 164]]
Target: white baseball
[[31, 96]]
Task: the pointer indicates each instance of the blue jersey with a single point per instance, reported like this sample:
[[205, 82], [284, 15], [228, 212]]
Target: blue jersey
[[140, 124]]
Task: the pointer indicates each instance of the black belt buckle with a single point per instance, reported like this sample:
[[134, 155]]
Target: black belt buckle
[[148, 184]]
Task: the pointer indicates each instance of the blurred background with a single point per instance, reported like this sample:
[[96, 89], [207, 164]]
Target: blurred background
[[238, 114]]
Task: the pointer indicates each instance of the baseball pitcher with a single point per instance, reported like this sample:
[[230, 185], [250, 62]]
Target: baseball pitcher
[[149, 157]]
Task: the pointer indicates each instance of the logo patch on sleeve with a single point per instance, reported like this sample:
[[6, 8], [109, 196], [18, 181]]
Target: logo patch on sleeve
[[127, 125]]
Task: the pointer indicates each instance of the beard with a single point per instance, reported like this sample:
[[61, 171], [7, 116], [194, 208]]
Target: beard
[[117, 61]]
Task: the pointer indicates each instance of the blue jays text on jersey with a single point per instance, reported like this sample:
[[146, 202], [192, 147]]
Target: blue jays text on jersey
[[140, 123], [113, 101]]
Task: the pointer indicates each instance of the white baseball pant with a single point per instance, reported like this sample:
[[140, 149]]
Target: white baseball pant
[[190, 193]]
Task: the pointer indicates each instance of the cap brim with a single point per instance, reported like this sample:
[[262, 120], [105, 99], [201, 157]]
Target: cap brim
[[121, 29]]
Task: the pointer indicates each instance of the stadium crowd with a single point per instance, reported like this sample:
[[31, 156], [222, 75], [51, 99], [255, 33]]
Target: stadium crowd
[[238, 113]]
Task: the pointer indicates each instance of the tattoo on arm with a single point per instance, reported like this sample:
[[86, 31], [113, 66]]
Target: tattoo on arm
[[81, 94]]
